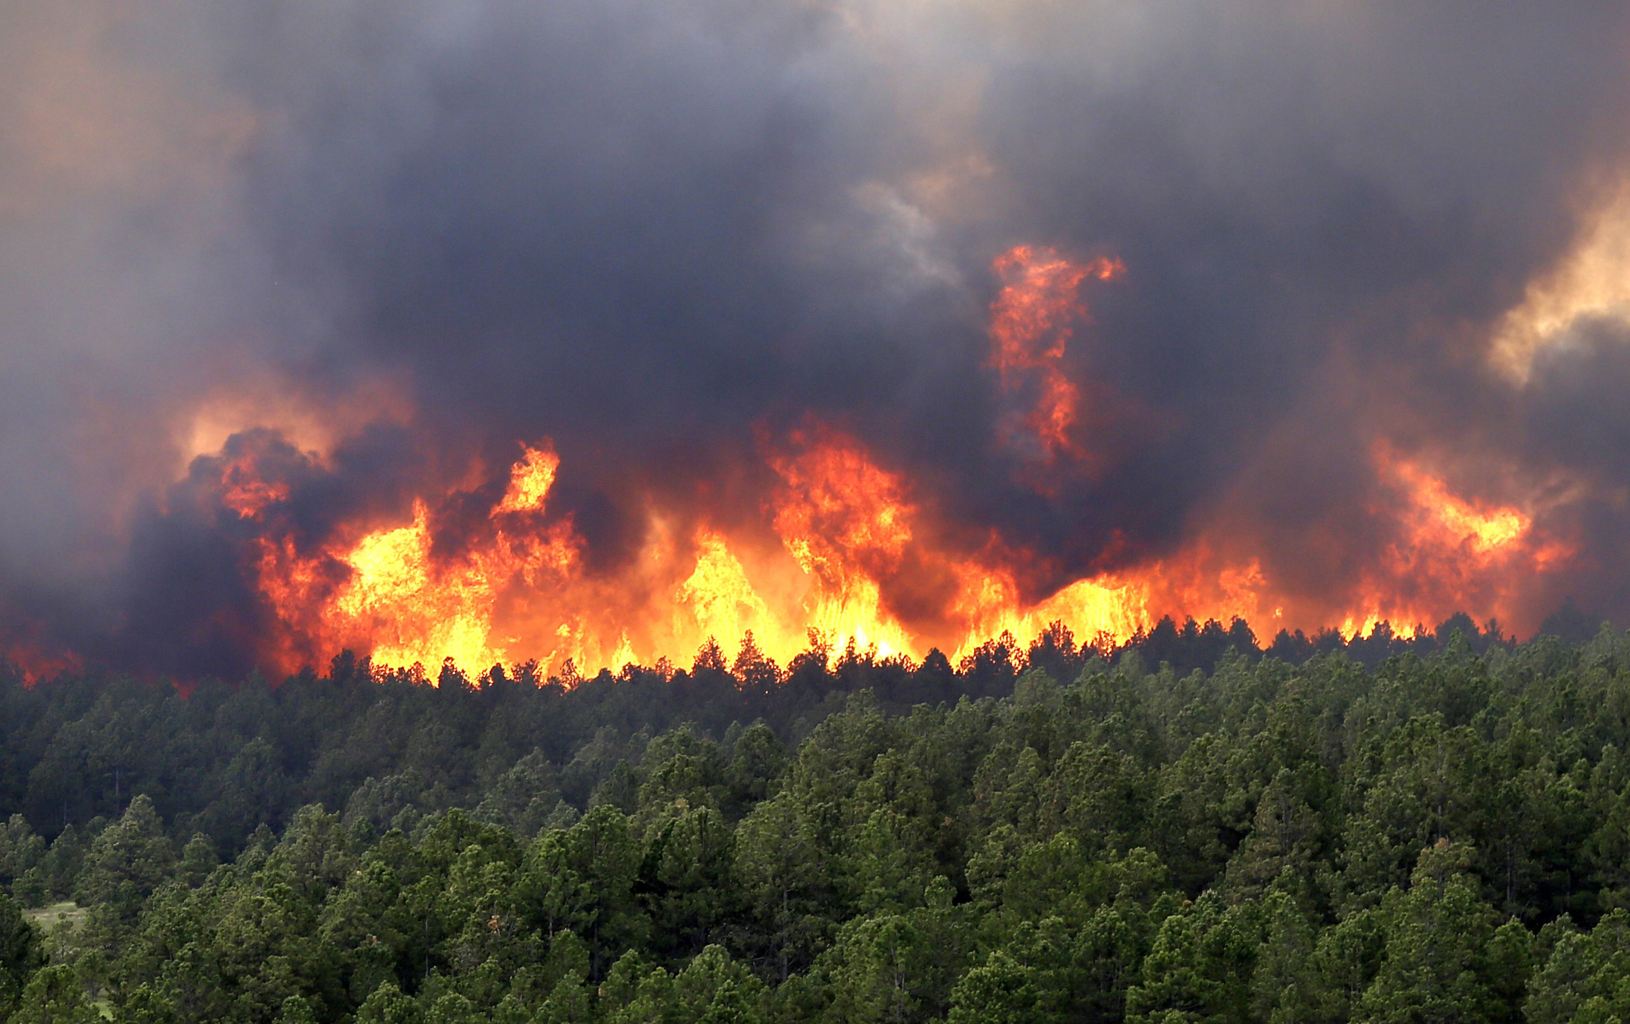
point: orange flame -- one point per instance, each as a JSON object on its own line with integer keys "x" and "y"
{"x": 846, "y": 536}
{"x": 847, "y": 523}
{"x": 398, "y": 600}
{"x": 1032, "y": 321}
{"x": 39, "y": 661}
{"x": 1485, "y": 530}
{"x": 846, "y": 527}
{"x": 529, "y": 481}
{"x": 850, "y": 531}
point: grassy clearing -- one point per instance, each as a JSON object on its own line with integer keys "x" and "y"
{"x": 59, "y": 922}
{"x": 58, "y": 917}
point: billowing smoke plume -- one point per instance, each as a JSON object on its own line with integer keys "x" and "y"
{"x": 1333, "y": 316}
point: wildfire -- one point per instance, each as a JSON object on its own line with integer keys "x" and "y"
{"x": 844, "y": 531}
{"x": 387, "y": 592}
{"x": 846, "y": 527}
{"x": 844, "y": 548}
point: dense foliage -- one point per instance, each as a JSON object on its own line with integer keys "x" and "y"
{"x": 1435, "y": 830}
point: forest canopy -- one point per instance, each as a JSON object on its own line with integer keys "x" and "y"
{"x": 1188, "y": 828}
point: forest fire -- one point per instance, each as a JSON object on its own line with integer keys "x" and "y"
{"x": 842, "y": 547}
{"x": 847, "y": 527}
{"x": 598, "y": 510}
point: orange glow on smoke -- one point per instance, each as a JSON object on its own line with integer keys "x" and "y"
{"x": 274, "y": 402}
{"x": 1448, "y": 552}
{"x": 1589, "y": 281}
{"x": 38, "y": 661}
{"x": 245, "y": 491}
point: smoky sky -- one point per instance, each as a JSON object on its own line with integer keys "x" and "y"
{"x": 657, "y": 234}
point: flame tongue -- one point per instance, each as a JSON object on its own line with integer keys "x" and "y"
{"x": 529, "y": 481}
{"x": 1033, "y": 319}
{"x": 1435, "y": 509}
